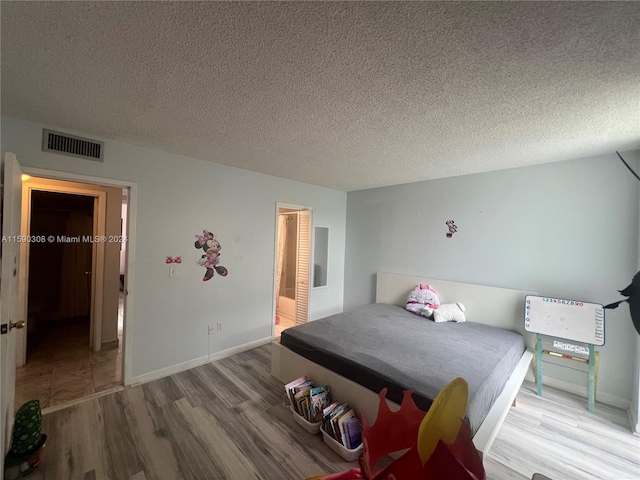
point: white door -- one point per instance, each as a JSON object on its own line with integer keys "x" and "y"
{"x": 10, "y": 252}
{"x": 303, "y": 270}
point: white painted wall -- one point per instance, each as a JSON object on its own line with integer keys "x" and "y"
{"x": 567, "y": 229}
{"x": 178, "y": 197}
{"x": 634, "y": 408}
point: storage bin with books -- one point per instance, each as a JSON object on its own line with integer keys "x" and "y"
{"x": 342, "y": 430}
{"x": 313, "y": 428}
{"x": 307, "y": 402}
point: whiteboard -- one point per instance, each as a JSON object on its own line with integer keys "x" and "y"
{"x": 568, "y": 319}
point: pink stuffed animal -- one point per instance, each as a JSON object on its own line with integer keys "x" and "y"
{"x": 422, "y": 298}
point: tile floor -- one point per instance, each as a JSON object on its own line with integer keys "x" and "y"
{"x": 283, "y": 324}
{"x": 61, "y": 367}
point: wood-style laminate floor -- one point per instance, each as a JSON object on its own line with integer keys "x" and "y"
{"x": 225, "y": 420}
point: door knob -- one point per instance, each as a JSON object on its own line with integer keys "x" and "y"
{"x": 17, "y": 325}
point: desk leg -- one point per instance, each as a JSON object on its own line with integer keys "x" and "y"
{"x": 538, "y": 365}
{"x": 592, "y": 378}
{"x": 595, "y": 375}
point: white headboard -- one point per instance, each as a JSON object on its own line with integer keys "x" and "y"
{"x": 499, "y": 307}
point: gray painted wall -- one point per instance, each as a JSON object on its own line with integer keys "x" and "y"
{"x": 567, "y": 229}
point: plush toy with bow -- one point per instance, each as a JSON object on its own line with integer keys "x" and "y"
{"x": 423, "y": 298}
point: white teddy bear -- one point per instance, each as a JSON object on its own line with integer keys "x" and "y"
{"x": 448, "y": 312}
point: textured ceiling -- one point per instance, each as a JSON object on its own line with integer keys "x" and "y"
{"x": 344, "y": 95}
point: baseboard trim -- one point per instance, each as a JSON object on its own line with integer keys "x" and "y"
{"x": 239, "y": 349}
{"x": 166, "y": 371}
{"x": 110, "y": 345}
{"x": 581, "y": 390}
{"x": 196, "y": 362}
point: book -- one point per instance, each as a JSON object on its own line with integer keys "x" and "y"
{"x": 326, "y": 416}
{"x": 295, "y": 390}
{"x": 353, "y": 433}
{"x": 304, "y": 407}
{"x": 320, "y": 399}
{"x": 301, "y": 404}
{"x": 341, "y": 433}
{"x": 333, "y": 421}
{"x": 308, "y": 385}
{"x": 303, "y": 386}
{"x": 289, "y": 387}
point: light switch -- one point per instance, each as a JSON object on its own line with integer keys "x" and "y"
{"x": 173, "y": 272}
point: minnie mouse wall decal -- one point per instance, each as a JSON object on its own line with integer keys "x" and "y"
{"x": 452, "y": 228}
{"x": 211, "y": 257}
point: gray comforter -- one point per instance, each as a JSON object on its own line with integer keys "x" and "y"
{"x": 385, "y": 346}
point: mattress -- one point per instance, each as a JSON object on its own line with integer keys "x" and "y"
{"x": 383, "y": 345}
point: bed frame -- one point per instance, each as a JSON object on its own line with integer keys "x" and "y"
{"x": 494, "y": 306}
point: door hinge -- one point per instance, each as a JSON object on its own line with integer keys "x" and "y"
{"x": 3, "y": 329}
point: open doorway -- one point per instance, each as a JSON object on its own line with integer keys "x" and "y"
{"x": 292, "y": 267}
{"x": 59, "y": 280}
{"x": 73, "y": 303}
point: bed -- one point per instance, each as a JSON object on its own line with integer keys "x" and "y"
{"x": 357, "y": 352}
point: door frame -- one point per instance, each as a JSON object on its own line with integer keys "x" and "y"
{"x": 97, "y": 259}
{"x": 10, "y": 199}
{"x": 292, "y": 206}
{"x": 129, "y": 291}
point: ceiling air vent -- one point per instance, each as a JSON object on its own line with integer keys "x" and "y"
{"x": 64, "y": 144}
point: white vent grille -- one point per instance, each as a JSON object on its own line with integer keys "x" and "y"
{"x": 64, "y": 144}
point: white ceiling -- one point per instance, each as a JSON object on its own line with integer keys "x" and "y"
{"x": 344, "y": 95}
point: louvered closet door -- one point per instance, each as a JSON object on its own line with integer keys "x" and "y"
{"x": 302, "y": 278}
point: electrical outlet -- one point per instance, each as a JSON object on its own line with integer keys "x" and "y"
{"x": 219, "y": 326}
{"x": 211, "y": 330}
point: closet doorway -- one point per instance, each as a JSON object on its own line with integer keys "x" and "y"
{"x": 293, "y": 259}
{"x": 70, "y": 298}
